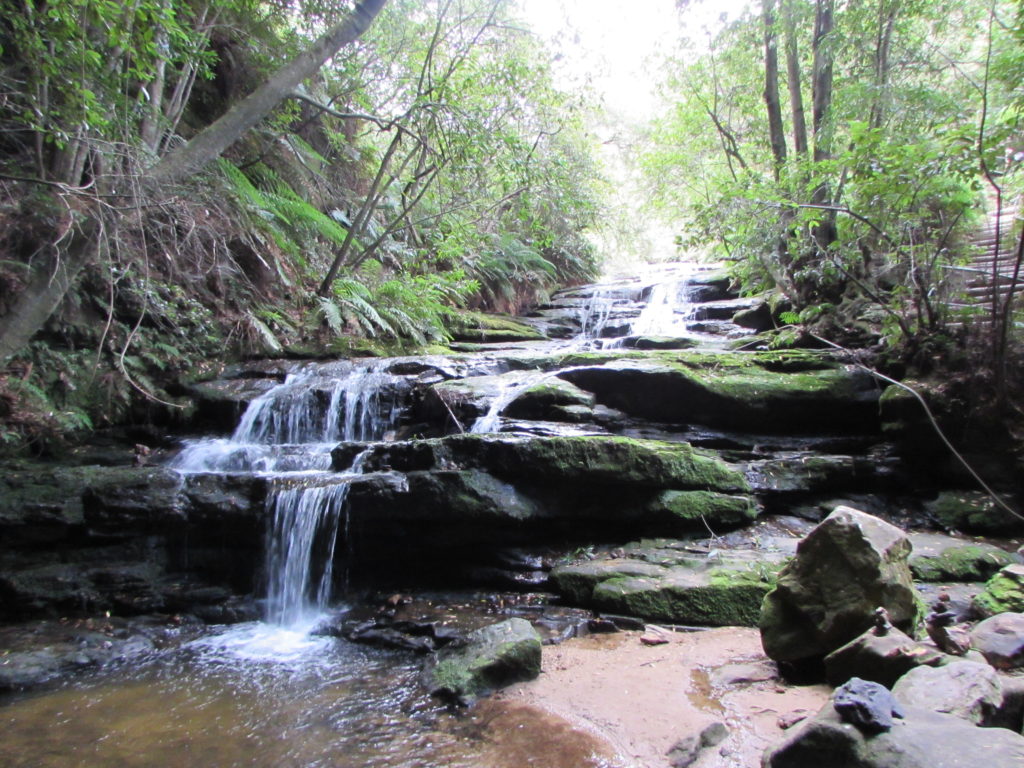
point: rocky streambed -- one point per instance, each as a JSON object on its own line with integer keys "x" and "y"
{"x": 628, "y": 456}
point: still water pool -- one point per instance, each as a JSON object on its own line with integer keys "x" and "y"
{"x": 256, "y": 695}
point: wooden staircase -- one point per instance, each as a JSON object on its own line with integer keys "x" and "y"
{"x": 990, "y": 271}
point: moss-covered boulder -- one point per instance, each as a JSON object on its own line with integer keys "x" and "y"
{"x": 845, "y": 568}
{"x": 972, "y": 512}
{"x": 671, "y": 581}
{"x": 958, "y": 562}
{"x": 493, "y": 657}
{"x": 1004, "y": 592}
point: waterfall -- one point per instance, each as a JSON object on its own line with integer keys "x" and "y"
{"x": 287, "y": 435}
{"x": 596, "y": 313}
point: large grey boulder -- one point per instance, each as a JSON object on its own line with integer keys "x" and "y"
{"x": 495, "y": 656}
{"x": 845, "y": 568}
{"x": 1000, "y": 639}
{"x": 966, "y": 689}
{"x": 922, "y": 739}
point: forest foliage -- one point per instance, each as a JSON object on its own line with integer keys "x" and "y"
{"x": 840, "y": 154}
{"x": 431, "y": 166}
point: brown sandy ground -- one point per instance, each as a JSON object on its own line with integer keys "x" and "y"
{"x": 609, "y": 701}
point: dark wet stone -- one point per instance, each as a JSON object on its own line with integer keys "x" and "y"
{"x": 869, "y": 706}
{"x": 924, "y": 739}
{"x": 686, "y": 751}
{"x": 881, "y": 659}
{"x": 493, "y": 657}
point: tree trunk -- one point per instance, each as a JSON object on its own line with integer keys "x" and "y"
{"x": 208, "y": 145}
{"x": 48, "y": 283}
{"x": 821, "y": 78}
{"x": 47, "y": 286}
{"x": 796, "y": 97}
{"x": 776, "y": 132}
{"x": 883, "y": 45}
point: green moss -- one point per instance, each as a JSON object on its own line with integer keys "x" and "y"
{"x": 494, "y": 656}
{"x": 965, "y": 563}
{"x": 972, "y": 511}
{"x": 727, "y": 603}
{"x": 705, "y": 507}
{"x": 1004, "y": 592}
{"x": 619, "y": 460}
{"x": 484, "y": 328}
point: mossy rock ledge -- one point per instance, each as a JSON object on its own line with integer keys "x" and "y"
{"x": 673, "y": 582}
{"x": 769, "y": 391}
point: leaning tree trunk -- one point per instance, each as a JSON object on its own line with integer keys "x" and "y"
{"x": 49, "y": 283}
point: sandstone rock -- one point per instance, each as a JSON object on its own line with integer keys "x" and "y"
{"x": 1003, "y": 593}
{"x": 973, "y": 512}
{"x": 922, "y": 739}
{"x": 1000, "y": 639}
{"x": 686, "y": 751}
{"x": 663, "y": 581}
{"x": 880, "y": 658}
{"x": 494, "y": 656}
{"x": 957, "y": 561}
{"x": 964, "y": 689}
{"x": 849, "y": 565}
{"x": 772, "y": 391}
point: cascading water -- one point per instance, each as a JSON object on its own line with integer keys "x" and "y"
{"x": 287, "y": 435}
{"x": 667, "y": 310}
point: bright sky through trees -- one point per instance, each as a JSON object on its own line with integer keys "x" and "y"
{"x": 615, "y": 47}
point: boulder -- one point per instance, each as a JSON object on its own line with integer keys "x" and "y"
{"x": 1004, "y": 592}
{"x": 869, "y": 707}
{"x": 546, "y": 399}
{"x": 881, "y": 658}
{"x": 922, "y": 739}
{"x": 845, "y": 568}
{"x": 1000, "y": 639}
{"x": 493, "y": 657}
{"x": 964, "y": 688}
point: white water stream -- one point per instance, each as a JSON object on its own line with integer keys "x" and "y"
{"x": 287, "y": 435}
